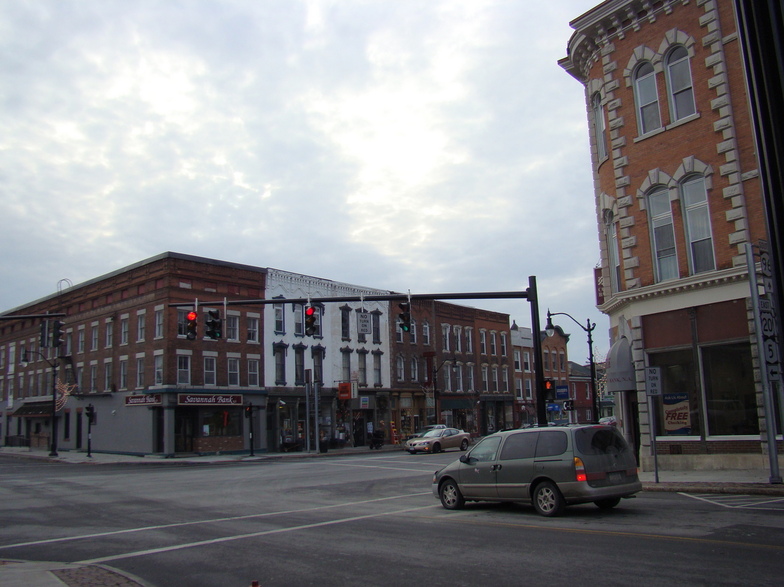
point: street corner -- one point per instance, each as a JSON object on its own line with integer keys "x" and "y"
{"x": 97, "y": 576}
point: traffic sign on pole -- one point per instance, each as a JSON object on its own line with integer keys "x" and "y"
{"x": 653, "y": 380}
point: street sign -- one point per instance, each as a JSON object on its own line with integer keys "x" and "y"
{"x": 568, "y": 405}
{"x": 363, "y": 323}
{"x": 653, "y": 380}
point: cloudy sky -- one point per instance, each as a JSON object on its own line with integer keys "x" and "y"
{"x": 423, "y": 145}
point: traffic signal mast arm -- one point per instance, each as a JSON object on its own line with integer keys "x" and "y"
{"x": 373, "y": 298}
{"x": 529, "y": 294}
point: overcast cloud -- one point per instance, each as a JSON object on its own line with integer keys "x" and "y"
{"x": 431, "y": 146}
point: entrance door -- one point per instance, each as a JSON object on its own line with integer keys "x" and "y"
{"x": 184, "y": 430}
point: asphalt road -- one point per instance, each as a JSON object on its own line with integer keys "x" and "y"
{"x": 368, "y": 520}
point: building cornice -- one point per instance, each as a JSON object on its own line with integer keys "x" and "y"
{"x": 596, "y": 28}
{"x": 670, "y": 290}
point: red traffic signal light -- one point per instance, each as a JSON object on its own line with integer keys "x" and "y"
{"x": 311, "y": 313}
{"x": 192, "y": 325}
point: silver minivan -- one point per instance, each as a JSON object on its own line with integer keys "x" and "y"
{"x": 547, "y": 467}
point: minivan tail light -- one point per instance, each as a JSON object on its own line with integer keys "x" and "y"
{"x": 579, "y": 470}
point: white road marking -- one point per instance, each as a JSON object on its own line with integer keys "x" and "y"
{"x": 208, "y": 521}
{"x": 244, "y": 536}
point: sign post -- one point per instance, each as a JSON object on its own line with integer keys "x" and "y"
{"x": 767, "y": 343}
{"x": 653, "y": 390}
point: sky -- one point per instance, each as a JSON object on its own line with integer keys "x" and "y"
{"x": 413, "y": 145}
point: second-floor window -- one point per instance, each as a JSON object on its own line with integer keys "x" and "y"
{"x": 698, "y": 225}
{"x": 663, "y": 234}
{"x": 234, "y": 371}
{"x": 210, "y": 370}
{"x": 183, "y": 370}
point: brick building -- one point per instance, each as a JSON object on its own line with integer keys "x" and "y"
{"x": 156, "y": 390}
{"x": 453, "y": 368}
{"x": 677, "y": 193}
{"x": 128, "y": 355}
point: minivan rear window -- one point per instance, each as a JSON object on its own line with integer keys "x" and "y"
{"x": 599, "y": 441}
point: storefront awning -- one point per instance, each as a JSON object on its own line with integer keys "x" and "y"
{"x": 620, "y": 367}
{"x": 36, "y": 410}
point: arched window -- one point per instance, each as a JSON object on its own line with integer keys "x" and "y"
{"x": 599, "y": 127}
{"x": 698, "y": 224}
{"x": 662, "y": 234}
{"x": 680, "y": 85}
{"x": 647, "y": 99}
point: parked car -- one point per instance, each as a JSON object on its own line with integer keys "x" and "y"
{"x": 547, "y": 467}
{"x": 439, "y": 439}
{"x": 422, "y": 432}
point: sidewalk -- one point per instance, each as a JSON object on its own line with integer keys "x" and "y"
{"x": 52, "y": 574}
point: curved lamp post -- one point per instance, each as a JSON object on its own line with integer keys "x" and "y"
{"x": 588, "y": 328}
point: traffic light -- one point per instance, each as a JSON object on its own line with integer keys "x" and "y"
{"x": 214, "y": 325}
{"x": 248, "y": 410}
{"x": 549, "y": 389}
{"x": 90, "y": 412}
{"x": 405, "y": 317}
{"x": 57, "y": 333}
{"x": 192, "y": 325}
{"x": 310, "y": 320}
{"x": 44, "y": 342}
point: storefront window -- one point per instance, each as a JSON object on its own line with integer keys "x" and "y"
{"x": 729, "y": 385}
{"x": 220, "y": 422}
{"x": 678, "y": 406}
{"x": 728, "y": 402}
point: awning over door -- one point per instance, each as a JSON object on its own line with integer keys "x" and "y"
{"x": 620, "y": 367}
{"x": 34, "y": 410}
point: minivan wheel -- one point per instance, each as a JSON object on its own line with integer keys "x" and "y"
{"x": 450, "y": 495}
{"x": 548, "y": 500}
{"x": 607, "y": 504}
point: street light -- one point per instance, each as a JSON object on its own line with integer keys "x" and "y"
{"x": 53, "y": 365}
{"x": 588, "y": 328}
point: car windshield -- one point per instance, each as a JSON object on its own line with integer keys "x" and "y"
{"x": 433, "y": 433}
{"x": 599, "y": 440}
